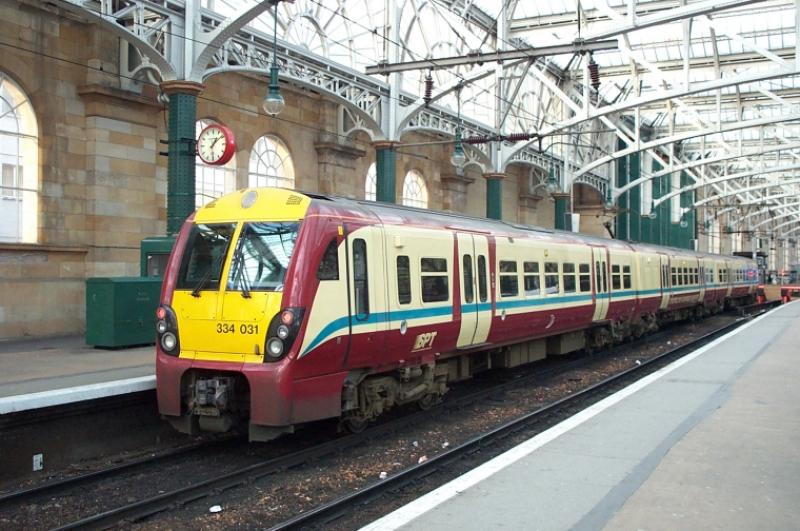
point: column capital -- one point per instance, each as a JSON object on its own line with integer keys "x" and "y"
{"x": 182, "y": 86}
{"x": 385, "y": 144}
{"x": 494, "y": 176}
{"x": 561, "y": 195}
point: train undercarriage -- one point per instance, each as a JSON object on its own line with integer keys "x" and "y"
{"x": 220, "y": 402}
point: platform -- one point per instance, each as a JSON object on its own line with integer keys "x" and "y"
{"x": 37, "y": 373}
{"x": 709, "y": 442}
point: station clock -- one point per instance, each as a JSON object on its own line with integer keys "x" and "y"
{"x": 216, "y": 145}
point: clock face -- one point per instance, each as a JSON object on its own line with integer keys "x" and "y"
{"x": 215, "y": 145}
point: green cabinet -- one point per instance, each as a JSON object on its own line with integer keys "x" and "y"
{"x": 120, "y": 311}
{"x": 154, "y": 254}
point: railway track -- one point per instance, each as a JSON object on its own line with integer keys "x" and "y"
{"x": 327, "y": 515}
{"x": 149, "y": 506}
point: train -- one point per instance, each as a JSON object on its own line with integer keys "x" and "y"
{"x": 279, "y": 307}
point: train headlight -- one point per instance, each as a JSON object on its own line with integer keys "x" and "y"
{"x": 275, "y": 347}
{"x": 169, "y": 341}
{"x": 287, "y": 317}
{"x": 283, "y": 331}
{"x": 161, "y": 326}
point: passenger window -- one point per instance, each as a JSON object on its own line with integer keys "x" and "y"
{"x": 531, "y": 278}
{"x": 616, "y": 282}
{"x": 569, "y": 278}
{"x": 403, "y": 280}
{"x": 482, "y": 291}
{"x": 329, "y": 265}
{"x": 585, "y": 278}
{"x": 509, "y": 283}
{"x": 469, "y": 289}
{"x": 551, "y": 277}
{"x": 360, "y": 280}
{"x": 626, "y": 277}
{"x": 435, "y": 285}
{"x": 674, "y": 277}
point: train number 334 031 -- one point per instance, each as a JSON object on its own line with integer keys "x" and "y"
{"x": 231, "y": 328}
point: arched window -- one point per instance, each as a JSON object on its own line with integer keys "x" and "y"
{"x": 211, "y": 182}
{"x": 415, "y": 193}
{"x": 371, "y": 184}
{"x": 271, "y": 164}
{"x": 19, "y": 163}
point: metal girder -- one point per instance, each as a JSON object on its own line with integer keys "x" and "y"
{"x": 717, "y": 180}
{"x": 214, "y": 40}
{"x": 686, "y": 135}
{"x": 714, "y": 160}
{"x": 795, "y": 213}
{"x": 632, "y": 103}
{"x": 763, "y": 210}
{"x": 407, "y": 113}
{"x": 747, "y": 189}
{"x": 578, "y": 46}
{"x": 666, "y": 16}
{"x": 108, "y": 18}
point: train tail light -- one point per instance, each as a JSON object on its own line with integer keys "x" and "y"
{"x": 167, "y": 330}
{"x": 282, "y": 332}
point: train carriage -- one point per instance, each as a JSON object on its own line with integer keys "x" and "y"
{"x": 280, "y": 307}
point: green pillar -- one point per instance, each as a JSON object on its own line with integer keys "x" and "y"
{"x": 494, "y": 195}
{"x": 386, "y": 171}
{"x": 181, "y": 150}
{"x": 562, "y": 208}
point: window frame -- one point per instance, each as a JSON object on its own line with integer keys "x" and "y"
{"x": 505, "y": 276}
{"x": 436, "y": 273}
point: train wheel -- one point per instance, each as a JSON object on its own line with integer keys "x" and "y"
{"x": 354, "y": 424}
{"x": 427, "y": 401}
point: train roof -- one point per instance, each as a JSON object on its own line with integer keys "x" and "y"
{"x": 394, "y": 214}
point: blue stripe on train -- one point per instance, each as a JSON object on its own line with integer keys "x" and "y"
{"x": 421, "y": 313}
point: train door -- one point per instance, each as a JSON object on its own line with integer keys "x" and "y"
{"x": 476, "y": 309}
{"x": 366, "y": 291}
{"x": 601, "y": 295}
{"x": 665, "y": 280}
{"x": 701, "y": 277}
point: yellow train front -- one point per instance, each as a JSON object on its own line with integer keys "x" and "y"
{"x": 230, "y": 314}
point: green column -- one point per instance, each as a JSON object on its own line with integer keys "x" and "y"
{"x": 561, "y": 210}
{"x": 386, "y": 171}
{"x": 181, "y": 164}
{"x": 494, "y": 195}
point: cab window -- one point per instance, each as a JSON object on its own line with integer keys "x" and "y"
{"x": 329, "y": 265}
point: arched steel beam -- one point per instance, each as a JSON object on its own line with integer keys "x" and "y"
{"x": 761, "y": 211}
{"x": 709, "y": 182}
{"x": 642, "y": 146}
{"x": 744, "y": 190}
{"x": 661, "y": 95}
{"x": 110, "y": 23}
{"x": 780, "y": 216}
{"x": 723, "y": 158}
{"x": 784, "y": 224}
{"x": 788, "y": 232}
{"x": 215, "y": 39}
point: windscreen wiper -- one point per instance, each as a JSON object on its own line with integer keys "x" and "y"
{"x": 206, "y": 277}
{"x": 201, "y": 283}
{"x": 240, "y": 276}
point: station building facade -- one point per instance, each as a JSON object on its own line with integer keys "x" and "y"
{"x": 83, "y": 180}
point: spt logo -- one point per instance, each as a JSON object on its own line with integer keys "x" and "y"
{"x": 424, "y": 341}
